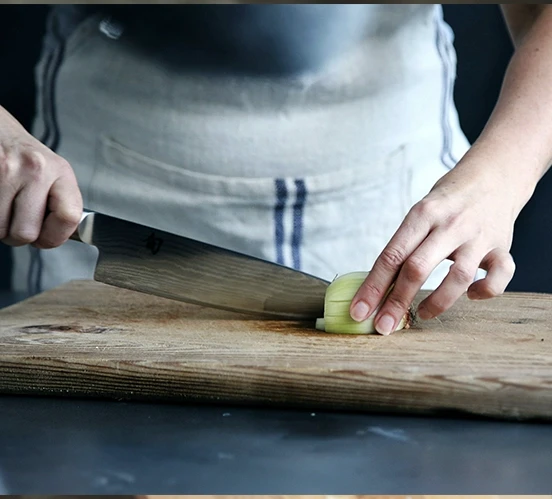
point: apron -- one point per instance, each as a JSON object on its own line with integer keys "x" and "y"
{"x": 313, "y": 170}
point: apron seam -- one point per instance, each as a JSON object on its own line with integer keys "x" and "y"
{"x": 50, "y": 138}
{"x": 447, "y": 158}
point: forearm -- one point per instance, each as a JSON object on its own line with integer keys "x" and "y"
{"x": 520, "y": 19}
{"x": 518, "y": 135}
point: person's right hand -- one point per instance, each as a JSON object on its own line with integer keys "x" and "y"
{"x": 40, "y": 201}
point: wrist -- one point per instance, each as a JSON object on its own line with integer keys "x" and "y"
{"x": 521, "y": 158}
{"x": 515, "y": 171}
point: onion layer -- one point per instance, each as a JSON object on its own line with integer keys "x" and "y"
{"x": 337, "y": 318}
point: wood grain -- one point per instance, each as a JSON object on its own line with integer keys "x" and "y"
{"x": 491, "y": 358}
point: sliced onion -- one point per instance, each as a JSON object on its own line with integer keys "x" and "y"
{"x": 337, "y": 318}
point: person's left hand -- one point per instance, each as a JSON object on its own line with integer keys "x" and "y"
{"x": 468, "y": 217}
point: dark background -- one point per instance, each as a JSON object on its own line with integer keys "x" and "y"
{"x": 483, "y": 48}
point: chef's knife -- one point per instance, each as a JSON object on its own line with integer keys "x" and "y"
{"x": 151, "y": 261}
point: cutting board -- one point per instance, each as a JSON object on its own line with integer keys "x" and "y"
{"x": 490, "y": 358}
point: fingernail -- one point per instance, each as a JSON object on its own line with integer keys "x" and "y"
{"x": 360, "y": 311}
{"x": 424, "y": 314}
{"x": 473, "y": 295}
{"x": 385, "y": 325}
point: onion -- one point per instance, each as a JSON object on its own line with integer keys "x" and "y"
{"x": 337, "y": 302}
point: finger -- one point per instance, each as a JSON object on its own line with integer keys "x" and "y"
{"x": 415, "y": 271}
{"x": 65, "y": 211}
{"x": 500, "y": 268}
{"x": 412, "y": 232}
{"x": 7, "y": 195}
{"x": 460, "y": 276}
{"x": 28, "y": 213}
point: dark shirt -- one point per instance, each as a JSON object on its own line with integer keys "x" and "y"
{"x": 281, "y": 39}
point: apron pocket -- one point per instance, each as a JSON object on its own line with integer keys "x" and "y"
{"x": 233, "y": 212}
{"x": 323, "y": 224}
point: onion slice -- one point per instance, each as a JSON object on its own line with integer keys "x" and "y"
{"x": 337, "y": 302}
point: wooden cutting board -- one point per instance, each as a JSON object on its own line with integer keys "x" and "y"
{"x": 491, "y": 358}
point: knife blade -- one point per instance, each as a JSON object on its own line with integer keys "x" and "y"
{"x": 156, "y": 262}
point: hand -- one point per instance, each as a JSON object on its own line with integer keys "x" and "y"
{"x": 468, "y": 217}
{"x": 40, "y": 202}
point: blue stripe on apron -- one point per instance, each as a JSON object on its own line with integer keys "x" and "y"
{"x": 297, "y": 235}
{"x": 281, "y": 200}
{"x": 282, "y": 197}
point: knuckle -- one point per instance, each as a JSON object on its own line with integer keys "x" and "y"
{"x": 397, "y": 301}
{"x": 69, "y": 218}
{"x": 23, "y": 236}
{"x": 392, "y": 258}
{"x": 8, "y": 164}
{"x": 63, "y": 163}
{"x": 35, "y": 163}
{"x": 436, "y": 306}
{"x": 461, "y": 273}
{"x": 415, "y": 269}
{"x": 426, "y": 208}
{"x": 369, "y": 290}
{"x": 508, "y": 265}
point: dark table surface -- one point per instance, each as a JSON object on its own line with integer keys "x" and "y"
{"x": 70, "y": 446}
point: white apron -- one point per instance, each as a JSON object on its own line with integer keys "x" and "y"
{"x": 314, "y": 171}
